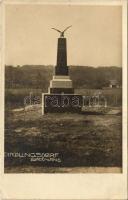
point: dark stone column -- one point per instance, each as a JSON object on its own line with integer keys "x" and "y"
{"x": 61, "y": 67}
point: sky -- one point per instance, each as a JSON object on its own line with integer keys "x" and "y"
{"x": 94, "y": 39}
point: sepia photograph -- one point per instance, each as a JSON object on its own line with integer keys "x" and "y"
{"x": 63, "y": 88}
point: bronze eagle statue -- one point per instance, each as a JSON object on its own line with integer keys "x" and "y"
{"x": 61, "y": 32}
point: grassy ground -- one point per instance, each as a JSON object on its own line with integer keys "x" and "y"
{"x": 15, "y": 97}
{"x": 80, "y": 140}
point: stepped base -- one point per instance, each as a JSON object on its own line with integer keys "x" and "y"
{"x": 60, "y": 103}
{"x": 61, "y": 82}
{"x": 61, "y": 85}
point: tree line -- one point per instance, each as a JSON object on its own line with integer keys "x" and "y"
{"x": 38, "y": 76}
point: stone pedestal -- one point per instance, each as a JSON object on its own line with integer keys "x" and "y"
{"x": 61, "y": 103}
{"x": 61, "y": 85}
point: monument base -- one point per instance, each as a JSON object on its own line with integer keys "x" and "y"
{"x": 61, "y": 85}
{"x": 54, "y": 103}
{"x": 61, "y": 82}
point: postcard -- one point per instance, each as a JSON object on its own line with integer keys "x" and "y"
{"x": 64, "y": 99}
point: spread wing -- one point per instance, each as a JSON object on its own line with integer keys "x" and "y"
{"x": 66, "y": 28}
{"x": 57, "y": 30}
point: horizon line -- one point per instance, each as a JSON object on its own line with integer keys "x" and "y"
{"x": 72, "y": 65}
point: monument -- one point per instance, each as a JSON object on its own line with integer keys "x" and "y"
{"x": 61, "y": 82}
{"x": 60, "y": 96}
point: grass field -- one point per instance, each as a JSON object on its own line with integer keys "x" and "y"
{"x": 82, "y": 141}
{"x": 15, "y": 97}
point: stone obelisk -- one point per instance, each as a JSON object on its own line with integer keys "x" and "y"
{"x": 61, "y": 66}
{"x": 61, "y": 82}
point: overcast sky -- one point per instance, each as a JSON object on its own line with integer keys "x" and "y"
{"x": 94, "y": 38}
